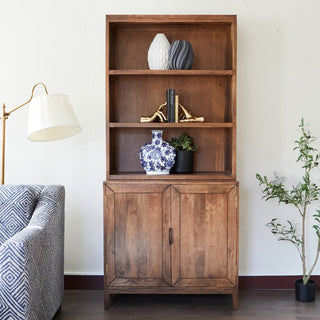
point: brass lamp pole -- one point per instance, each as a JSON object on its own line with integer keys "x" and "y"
{"x": 55, "y": 120}
{"x": 5, "y": 115}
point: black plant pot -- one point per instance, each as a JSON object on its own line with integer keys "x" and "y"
{"x": 305, "y": 292}
{"x": 184, "y": 162}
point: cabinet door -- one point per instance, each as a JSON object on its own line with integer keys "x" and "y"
{"x": 137, "y": 221}
{"x": 205, "y": 236}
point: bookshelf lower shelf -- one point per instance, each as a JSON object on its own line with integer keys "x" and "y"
{"x": 227, "y": 175}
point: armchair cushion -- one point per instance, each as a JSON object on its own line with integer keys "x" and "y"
{"x": 17, "y": 204}
{"x": 31, "y": 261}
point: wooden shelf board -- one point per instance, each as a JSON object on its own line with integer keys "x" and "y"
{"x": 165, "y": 125}
{"x": 171, "y": 72}
{"x": 176, "y": 19}
{"x": 192, "y": 176}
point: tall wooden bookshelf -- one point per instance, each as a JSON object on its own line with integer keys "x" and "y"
{"x": 199, "y": 211}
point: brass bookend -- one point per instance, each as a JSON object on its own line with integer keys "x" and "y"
{"x": 157, "y": 114}
{"x": 184, "y": 116}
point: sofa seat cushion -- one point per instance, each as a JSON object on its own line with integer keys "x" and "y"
{"x": 17, "y": 204}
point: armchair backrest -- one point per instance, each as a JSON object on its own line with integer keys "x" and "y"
{"x": 17, "y": 203}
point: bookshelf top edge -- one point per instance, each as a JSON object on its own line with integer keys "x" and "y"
{"x": 186, "y": 19}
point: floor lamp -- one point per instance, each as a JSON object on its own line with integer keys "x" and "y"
{"x": 50, "y": 118}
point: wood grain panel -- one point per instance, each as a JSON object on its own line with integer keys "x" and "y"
{"x": 137, "y": 223}
{"x": 203, "y": 229}
{"x": 132, "y": 282}
{"x": 134, "y": 96}
{"x": 137, "y": 188}
{"x": 195, "y": 177}
{"x": 204, "y": 188}
{"x": 165, "y": 125}
{"x": 133, "y": 19}
{"x": 138, "y": 235}
{"x": 213, "y": 283}
{"x": 233, "y": 95}
{"x": 139, "y": 72}
{"x": 126, "y": 144}
{"x": 233, "y": 235}
{"x": 173, "y": 290}
{"x": 206, "y": 218}
{"x": 107, "y": 95}
{"x": 210, "y": 42}
{"x": 166, "y": 247}
{"x": 213, "y": 155}
{"x": 109, "y": 243}
{"x": 175, "y": 248}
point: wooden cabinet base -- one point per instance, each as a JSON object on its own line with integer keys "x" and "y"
{"x": 110, "y": 293}
{"x": 171, "y": 238}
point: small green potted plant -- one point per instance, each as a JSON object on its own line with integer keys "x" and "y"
{"x": 185, "y": 148}
{"x": 300, "y": 196}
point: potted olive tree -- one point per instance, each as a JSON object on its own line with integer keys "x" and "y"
{"x": 185, "y": 149}
{"x": 300, "y": 196}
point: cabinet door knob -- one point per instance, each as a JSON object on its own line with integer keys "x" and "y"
{"x": 170, "y": 236}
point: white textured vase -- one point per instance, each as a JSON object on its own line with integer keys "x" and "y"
{"x": 158, "y": 53}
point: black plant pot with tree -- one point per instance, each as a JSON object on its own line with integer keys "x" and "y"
{"x": 185, "y": 149}
{"x": 300, "y": 196}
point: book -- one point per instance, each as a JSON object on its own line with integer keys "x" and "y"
{"x": 176, "y": 109}
{"x": 171, "y": 105}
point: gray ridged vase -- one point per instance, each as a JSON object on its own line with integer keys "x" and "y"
{"x": 181, "y": 55}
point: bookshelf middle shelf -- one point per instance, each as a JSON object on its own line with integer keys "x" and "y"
{"x": 164, "y": 125}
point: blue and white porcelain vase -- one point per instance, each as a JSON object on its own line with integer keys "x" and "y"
{"x": 157, "y": 156}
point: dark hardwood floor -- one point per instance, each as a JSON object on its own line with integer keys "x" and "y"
{"x": 261, "y": 305}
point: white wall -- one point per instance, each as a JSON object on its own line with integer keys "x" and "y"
{"x": 61, "y": 42}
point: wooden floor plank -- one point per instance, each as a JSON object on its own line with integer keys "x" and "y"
{"x": 261, "y": 305}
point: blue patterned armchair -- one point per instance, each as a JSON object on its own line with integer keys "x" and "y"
{"x": 31, "y": 251}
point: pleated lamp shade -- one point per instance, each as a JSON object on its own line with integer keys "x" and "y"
{"x": 51, "y": 118}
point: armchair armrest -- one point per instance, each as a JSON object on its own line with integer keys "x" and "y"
{"x": 31, "y": 262}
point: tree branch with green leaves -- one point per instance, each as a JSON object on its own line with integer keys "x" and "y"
{"x": 300, "y": 196}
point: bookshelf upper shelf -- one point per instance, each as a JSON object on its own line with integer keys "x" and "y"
{"x": 172, "y": 72}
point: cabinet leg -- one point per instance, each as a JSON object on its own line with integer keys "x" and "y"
{"x": 107, "y": 301}
{"x": 235, "y": 300}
